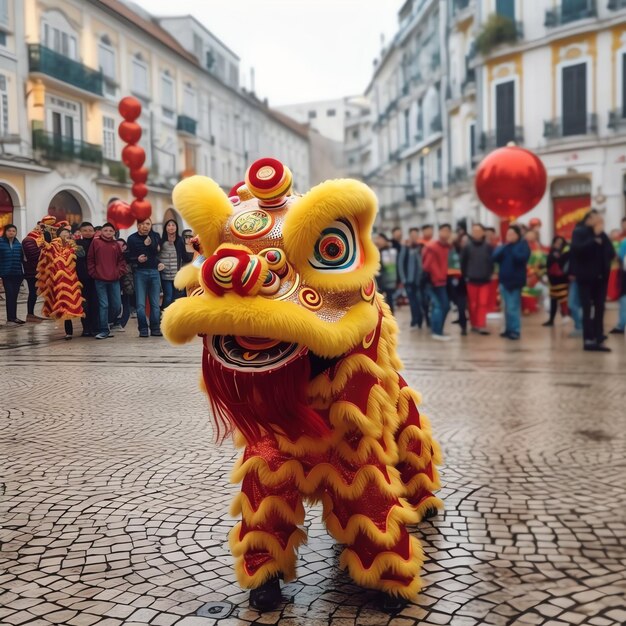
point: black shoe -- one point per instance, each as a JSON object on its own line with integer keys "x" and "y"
{"x": 143, "y": 333}
{"x": 455, "y": 322}
{"x": 463, "y": 332}
{"x": 391, "y": 604}
{"x": 513, "y": 336}
{"x": 267, "y": 597}
{"x": 616, "y": 331}
{"x": 504, "y": 334}
{"x": 156, "y": 333}
{"x": 595, "y": 347}
{"x": 85, "y": 334}
{"x": 548, "y": 323}
{"x": 18, "y": 321}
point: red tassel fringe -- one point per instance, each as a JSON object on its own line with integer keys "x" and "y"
{"x": 254, "y": 403}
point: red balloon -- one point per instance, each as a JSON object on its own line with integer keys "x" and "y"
{"x": 142, "y": 209}
{"x": 139, "y": 175}
{"x": 130, "y": 132}
{"x": 511, "y": 181}
{"x": 133, "y": 157}
{"x": 140, "y": 191}
{"x": 120, "y": 214}
{"x": 129, "y": 108}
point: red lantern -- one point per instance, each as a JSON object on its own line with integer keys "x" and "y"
{"x": 133, "y": 157}
{"x": 139, "y": 175}
{"x": 120, "y": 215}
{"x": 140, "y": 191}
{"x": 130, "y": 132}
{"x": 511, "y": 181}
{"x": 142, "y": 209}
{"x": 129, "y": 108}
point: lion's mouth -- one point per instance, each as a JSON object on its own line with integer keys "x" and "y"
{"x": 252, "y": 354}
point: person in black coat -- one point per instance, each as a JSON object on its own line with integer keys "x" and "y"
{"x": 590, "y": 262}
{"x": 90, "y": 322}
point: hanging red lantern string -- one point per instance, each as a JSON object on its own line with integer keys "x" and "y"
{"x": 134, "y": 156}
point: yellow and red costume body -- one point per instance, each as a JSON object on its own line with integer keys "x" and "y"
{"x": 57, "y": 280}
{"x": 300, "y": 360}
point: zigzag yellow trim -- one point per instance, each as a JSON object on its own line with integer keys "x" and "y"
{"x": 420, "y": 481}
{"x": 321, "y": 473}
{"x": 380, "y": 413}
{"x": 271, "y": 504}
{"x": 386, "y": 562}
{"x": 309, "y": 445}
{"x": 398, "y": 516}
{"x": 264, "y": 573}
{"x": 321, "y": 386}
{"x": 262, "y": 540}
{"x": 386, "y": 453}
{"x": 407, "y": 395}
{"x": 413, "y": 433}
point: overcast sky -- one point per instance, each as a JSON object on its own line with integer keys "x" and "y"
{"x": 302, "y": 50}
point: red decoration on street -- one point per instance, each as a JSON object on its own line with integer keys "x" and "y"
{"x": 142, "y": 209}
{"x": 120, "y": 215}
{"x": 140, "y": 191}
{"x": 133, "y": 157}
{"x": 129, "y": 108}
{"x": 140, "y": 175}
{"x": 511, "y": 181}
{"x": 130, "y": 132}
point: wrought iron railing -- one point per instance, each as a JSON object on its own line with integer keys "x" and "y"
{"x": 186, "y": 124}
{"x": 55, "y": 147}
{"x": 500, "y": 137}
{"x": 558, "y": 127}
{"x": 617, "y": 117}
{"x": 47, "y": 61}
{"x": 567, "y": 13}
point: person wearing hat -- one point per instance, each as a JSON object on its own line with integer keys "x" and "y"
{"x": 512, "y": 258}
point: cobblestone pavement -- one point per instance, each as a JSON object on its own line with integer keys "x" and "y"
{"x": 114, "y": 500}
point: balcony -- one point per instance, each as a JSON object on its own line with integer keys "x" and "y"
{"x": 616, "y": 5}
{"x": 498, "y": 30}
{"x": 45, "y": 61}
{"x": 571, "y": 12}
{"x": 559, "y": 128}
{"x": 59, "y": 148}
{"x": 617, "y": 119}
{"x": 501, "y": 137}
{"x": 186, "y": 124}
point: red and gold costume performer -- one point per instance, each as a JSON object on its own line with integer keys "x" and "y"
{"x": 300, "y": 360}
{"x": 57, "y": 280}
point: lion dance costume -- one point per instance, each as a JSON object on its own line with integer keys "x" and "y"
{"x": 300, "y": 360}
{"x": 57, "y": 280}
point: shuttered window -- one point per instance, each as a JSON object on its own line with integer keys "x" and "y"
{"x": 506, "y": 8}
{"x": 505, "y": 113}
{"x": 574, "y": 103}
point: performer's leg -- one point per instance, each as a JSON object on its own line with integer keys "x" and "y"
{"x": 264, "y": 543}
{"x": 418, "y": 455}
{"x": 379, "y": 553}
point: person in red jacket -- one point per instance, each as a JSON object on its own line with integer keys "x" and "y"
{"x": 105, "y": 264}
{"x": 435, "y": 263}
{"x": 31, "y": 248}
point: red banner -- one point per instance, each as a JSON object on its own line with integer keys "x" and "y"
{"x": 568, "y": 212}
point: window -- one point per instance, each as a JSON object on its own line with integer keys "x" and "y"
{"x": 4, "y": 106}
{"x": 331, "y": 113}
{"x": 4, "y": 12}
{"x": 407, "y": 136}
{"x": 422, "y": 174}
{"x": 210, "y": 60}
{"x": 58, "y": 34}
{"x": 472, "y": 142}
{"x": 420, "y": 120}
{"x": 139, "y": 77}
{"x": 3, "y": 39}
{"x": 408, "y": 172}
{"x": 439, "y": 165}
{"x": 108, "y": 138}
{"x": 168, "y": 98}
{"x": 312, "y": 115}
{"x": 574, "y": 102}
{"x": 189, "y": 102}
{"x": 63, "y": 117}
{"x": 355, "y": 134}
{"x": 506, "y": 8}
{"x": 505, "y": 113}
{"x": 106, "y": 63}
{"x": 624, "y": 85}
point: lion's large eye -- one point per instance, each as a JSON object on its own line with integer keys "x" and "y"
{"x": 337, "y": 249}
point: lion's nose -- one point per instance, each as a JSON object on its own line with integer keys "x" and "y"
{"x": 234, "y": 269}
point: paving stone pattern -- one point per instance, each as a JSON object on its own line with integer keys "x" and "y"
{"x": 114, "y": 499}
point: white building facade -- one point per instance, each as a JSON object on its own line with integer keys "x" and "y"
{"x": 65, "y": 66}
{"x": 546, "y": 75}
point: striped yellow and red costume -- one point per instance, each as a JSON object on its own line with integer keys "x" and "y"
{"x": 300, "y": 360}
{"x": 57, "y": 280}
